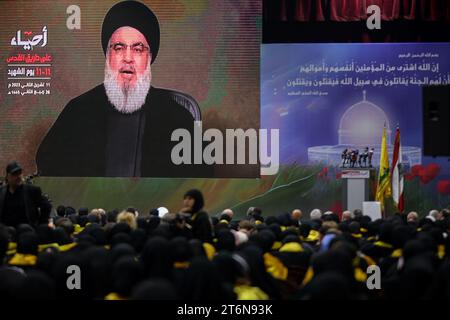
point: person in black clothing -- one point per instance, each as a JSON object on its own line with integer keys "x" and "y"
{"x": 127, "y": 122}
{"x": 198, "y": 219}
{"x": 21, "y": 203}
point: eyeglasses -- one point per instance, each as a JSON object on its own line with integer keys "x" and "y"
{"x": 137, "y": 49}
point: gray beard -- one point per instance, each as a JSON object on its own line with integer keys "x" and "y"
{"x": 129, "y": 98}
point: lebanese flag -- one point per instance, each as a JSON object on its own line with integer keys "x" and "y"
{"x": 396, "y": 174}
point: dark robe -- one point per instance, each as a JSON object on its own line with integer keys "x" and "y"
{"x": 91, "y": 138}
{"x": 35, "y": 205}
{"x": 201, "y": 226}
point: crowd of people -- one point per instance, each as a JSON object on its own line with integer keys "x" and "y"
{"x": 63, "y": 253}
{"x": 191, "y": 255}
{"x": 351, "y": 156}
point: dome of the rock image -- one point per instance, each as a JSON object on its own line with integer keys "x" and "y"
{"x": 360, "y": 125}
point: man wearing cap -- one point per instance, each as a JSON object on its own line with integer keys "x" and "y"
{"x": 122, "y": 127}
{"x": 21, "y": 203}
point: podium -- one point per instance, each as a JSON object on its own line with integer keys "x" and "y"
{"x": 357, "y": 187}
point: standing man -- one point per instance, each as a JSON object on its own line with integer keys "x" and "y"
{"x": 371, "y": 152}
{"x": 365, "y": 156}
{"x": 296, "y": 216}
{"x": 344, "y": 157}
{"x": 21, "y": 203}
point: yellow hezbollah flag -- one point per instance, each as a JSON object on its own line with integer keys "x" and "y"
{"x": 384, "y": 176}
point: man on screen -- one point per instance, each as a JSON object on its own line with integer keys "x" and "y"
{"x": 123, "y": 127}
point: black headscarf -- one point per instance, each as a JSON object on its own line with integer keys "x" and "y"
{"x": 98, "y": 264}
{"x": 264, "y": 239}
{"x": 126, "y": 273}
{"x": 202, "y": 282}
{"x": 99, "y": 235}
{"x": 155, "y": 289}
{"x": 327, "y": 286}
{"x": 118, "y": 228}
{"x": 337, "y": 260}
{"x": 258, "y": 274}
{"x": 28, "y": 243}
{"x": 61, "y": 237}
{"x": 37, "y": 285}
{"x": 120, "y": 238}
{"x": 227, "y": 267}
{"x": 156, "y": 258}
{"x": 225, "y": 241}
{"x": 138, "y": 239}
{"x": 120, "y": 250}
{"x": 198, "y": 199}
{"x": 197, "y": 248}
{"x": 10, "y": 281}
{"x": 180, "y": 250}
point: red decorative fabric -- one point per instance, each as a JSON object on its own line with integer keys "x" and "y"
{"x": 355, "y": 10}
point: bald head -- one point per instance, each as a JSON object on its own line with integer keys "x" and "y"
{"x": 296, "y": 214}
{"x": 228, "y": 212}
{"x": 347, "y": 215}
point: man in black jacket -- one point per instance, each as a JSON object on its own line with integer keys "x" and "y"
{"x": 21, "y": 203}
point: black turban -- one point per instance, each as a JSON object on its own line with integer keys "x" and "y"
{"x": 136, "y": 15}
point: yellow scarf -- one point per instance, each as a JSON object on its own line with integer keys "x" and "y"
{"x": 360, "y": 275}
{"x": 308, "y": 276}
{"x": 210, "y": 250}
{"x": 383, "y": 244}
{"x": 313, "y": 236}
{"x": 42, "y": 247}
{"x": 181, "y": 265}
{"x": 397, "y": 253}
{"x": 77, "y": 228}
{"x": 368, "y": 260}
{"x": 23, "y": 260}
{"x": 245, "y": 292}
{"x": 114, "y": 296}
{"x": 12, "y": 247}
{"x": 67, "y": 247}
{"x": 291, "y": 247}
{"x": 441, "y": 251}
{"x": 275, "y": 267}
{"x": 276, "y": 245}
